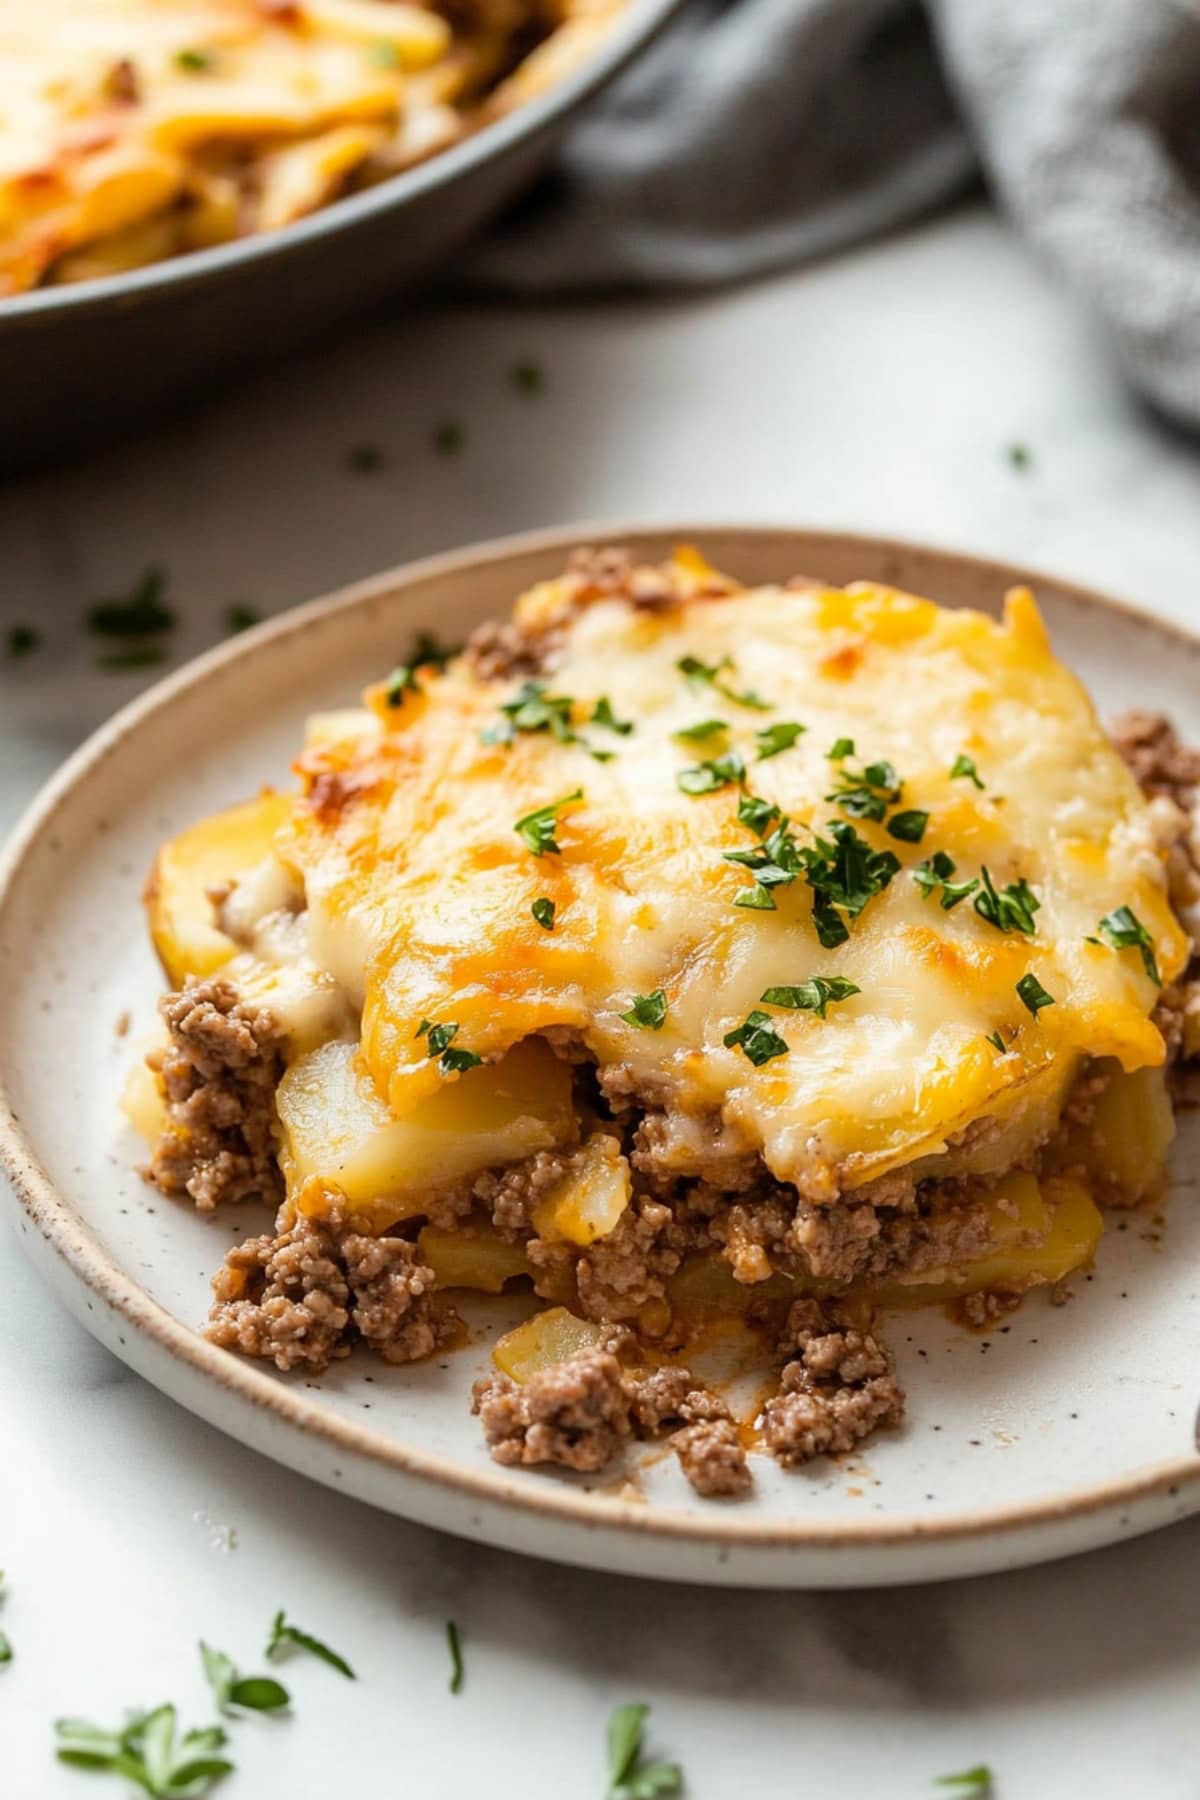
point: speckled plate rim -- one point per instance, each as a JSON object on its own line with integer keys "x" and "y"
{"x": 543, "y": 1519}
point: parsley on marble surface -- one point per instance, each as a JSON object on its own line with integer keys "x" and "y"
{"x": 284, "y": 1633}
{"x": 629, "y": 1776}
{"x": 257, "y": 1693}
{"x": 149, "y": 1752}
{"x": 457, "y": 1668}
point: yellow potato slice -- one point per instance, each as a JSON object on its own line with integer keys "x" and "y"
{"x": 336, "y": 1128}
{"x": 479, "y": 1260}
{"x": 1123, "y": 1149}
{"x": 541, "y": 1342}
{"x": 588, "y": 1202}
{"x": 143, "y": 1104}
{"x": 216, "y": 849}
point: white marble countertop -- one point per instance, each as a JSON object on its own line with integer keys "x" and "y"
{"x": 880, "y": 391}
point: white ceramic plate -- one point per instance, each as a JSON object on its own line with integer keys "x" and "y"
{"x": 1068, "y": 1427}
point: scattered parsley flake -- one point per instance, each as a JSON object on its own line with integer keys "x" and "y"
{"x": 773, "y": 739}
{"x": 195, "y": 62}
{"x": 979, "y": 1781}
{"x": 756, "y": 899}
{"x": 756, "y": 814}
{"x": 1020, "y": 456}
{"x": 137, "y": 656}
{"x": 533, "y": 709}
{"x": 139, "y": 614}
{"x": 537, "y": 829}
{"x": 240, "y": 617}
{"x": 866, "y": 793}
{"x": 775, "y": 862}
{"x": 844, "y": 874}
{"x": 811, "y": 996}
{"x": 365, "y": 459}
{"x": 147, "y": 1752}
{"x": 528, "y": 378}
{"x": 284, "y": 1634}
{"x": 1125, "y": 931}
{"x": 6, "y": 1649}
{"x": 757, "y": 1038}
{"x": 963, "y": 768}
{"x": 630, "y": 1778}
{"x": 449, "y": 438}
{"x": 383, "y": 54}
{"x": 427, "y": 649}
{"x": 704, "y": 728}
{"x": 1033, "y": 994}
{"x": 543, "y": 911}
{"x": 997, "y": 1042}
{"x": 1010, "y": 908}
{"x": 935, "y": 872}
{"x": 700, "y": 674}
{"x": 908, "y": 827}
{"x": 258, "y": 1693}
{"x": 840, "y": 749}
{"x": 603, "y": 714}
{"x": 438, "y": 1039}
{"x": 401, "y": 681}
{"x": 21, "y": 640}
{"x": 647, "y": 1010}
{"x": 707, "y": 777}
{"x": 457, "y": 1670}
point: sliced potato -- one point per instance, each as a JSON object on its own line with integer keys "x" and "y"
{"x": 543, "y": 1341}
{"x": 480, "y": 1260}
{"x": 1125, "y": 1145}
{"x": 338, "y": 1130}
{"x": 588, "y": 1202}
{"x": 142, "y": 1103}
{"x": 216, "y": 849}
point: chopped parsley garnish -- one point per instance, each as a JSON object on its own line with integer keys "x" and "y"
{"x": 704, "y": 728}
{"x": 908, "y": 826}
{"x": 603, "y": 714}
{"x": 811, "y": 996}
{"x": 1010, "y": 908}
{"x": 147, "y": 1751}
{"x": 840, "y": 748}
{"x": 935, "y": 872}
{"x": 775, "y": 862}
{"x": 647, "y": 1010}
{"x": 365, "y": 459}
{"x": 240, "y": 617}
{"x": 195, "y": 62}
{"x": 773, "y": 739}
{"x": 1020, "y": 456}
{"x": 629, "y": 1778}
{"x": 707, "y": 777}
{"x": 457, "y": 1670}
{"x": 258, "y": 1693}
{"x": 21, "y": 640}
{"x": 533, "y": 709}
{"x": 401, "y": 681}
{"x": 438, "y": 1039}
{"x": 537, "y": 828}
{"x": 756, "y": 814}
{"x": 964, "y": 768}
{"x": 543, "y": 911}
{"x": 978, "y": 1781}
{"x": 140, "y": 614}
{"x": 757, "y": 1038}
{"x": 996, "y": 1041}
{"x": 528, "y": 377}
{"x": 866, "y": 793}
{"x": 1033, "y": 994}
{"x": 6, "y": 1649}
{"x": 449, "y": 439}
{"x": 699, "y": 674}
{"x": 284, "y": 1634}
{"x": 844, "y": 873}
{"x": 428, "y": 649}
{"x": 1125, "y": 931}
{"x": 383, "y": 54}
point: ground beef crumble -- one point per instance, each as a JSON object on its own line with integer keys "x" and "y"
{"x": 303, "y": 1297}
{"x": 839, "y": 1386}
{"x": 219, "y": 1072}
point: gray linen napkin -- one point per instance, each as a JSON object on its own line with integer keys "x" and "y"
{"x": 757, "y": 133}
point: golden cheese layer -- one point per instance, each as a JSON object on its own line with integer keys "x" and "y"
{"x": 421, "y": 891}
{"x": 131, "y": 130}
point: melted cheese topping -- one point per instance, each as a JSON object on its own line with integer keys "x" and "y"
{"x": 420, "y": 890}
{"x": 136, "y": 129}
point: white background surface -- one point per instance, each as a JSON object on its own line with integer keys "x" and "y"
{"x": 878, "y": 392}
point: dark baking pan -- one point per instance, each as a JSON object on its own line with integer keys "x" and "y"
{"x": 82, "y": 364}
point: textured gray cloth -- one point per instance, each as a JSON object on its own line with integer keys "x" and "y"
{"x": 757, "y": 133}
